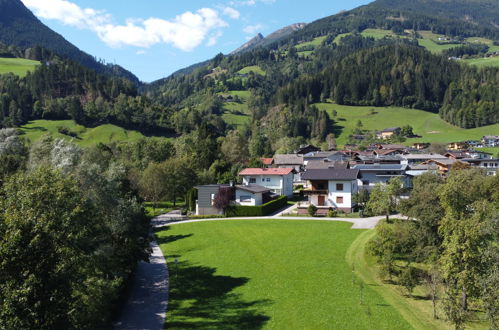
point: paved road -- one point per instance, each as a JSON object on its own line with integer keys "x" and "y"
{"x": 148, "y": 299}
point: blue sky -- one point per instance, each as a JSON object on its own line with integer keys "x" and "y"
{"x": 154, "y": 38}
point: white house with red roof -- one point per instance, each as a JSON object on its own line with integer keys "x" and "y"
{"x": 278, "y": 180}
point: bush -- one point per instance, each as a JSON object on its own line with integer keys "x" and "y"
{"x": 257, "y": 211}
{"x": 312, "y": 209}
{"x": 332, "y": 213}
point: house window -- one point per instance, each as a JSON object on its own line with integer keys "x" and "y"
{"x": 339, "y": 200}
{"x": 339, "y": 186}
{"x": 320, "y": 186}
{"x": 252, "y": 180}
{"x": 244, "y": 199}
{"x": 212, "y": 199}
{"x": 263, "y": 180}
{"x": 268, "y": 179}
{"x": 365, "y": 182}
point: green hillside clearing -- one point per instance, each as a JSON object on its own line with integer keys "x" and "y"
{"x": 85, "y": 136}
{"x": 314, "y": 43}
{"x": 426, "y": 124}
{"x": 486, "y": 61}
{"x": 254, "y": 68}
{"x": 17, "y": 66}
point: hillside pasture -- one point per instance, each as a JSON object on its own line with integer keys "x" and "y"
{"x": 483, "y": 62}
{"x": 313, "y": 43}
{"x": 34, "y": 130}
{"x": 426, "y": 124}
{"x": 272, "y": 274}
{"x": 254, "y": 68}
{"x": 17, "y": 66}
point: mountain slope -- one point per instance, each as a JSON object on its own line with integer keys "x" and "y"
{"x": 19, "y": 27}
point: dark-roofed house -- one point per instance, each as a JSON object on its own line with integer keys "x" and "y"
{"x": 332, "y": 187}
{"x": 306, "y": 148}
{"x": 277, "y": 180}
{"x": 381, "y": 173}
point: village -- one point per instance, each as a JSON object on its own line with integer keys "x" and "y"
{"x": 329, "y": 180}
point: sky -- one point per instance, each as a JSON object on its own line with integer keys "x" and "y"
{"x": 154, "y": 38}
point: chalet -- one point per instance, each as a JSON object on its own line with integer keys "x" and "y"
{"x": 490, "y": 141}
{"x": 458, "y": 146}
{"x": 491, "y": 166}
{"x": 445, "y": 165}
{"x": 278, "y": 180}
{"x": 332, "y": 188}
{"x": 326, "y": 163}
{"x": 388, "y": 152}
{"x": 389, "y": 146}
{"x": 388, "y": 133}
{"x": 419, "y": 169}
{"x": 320, "y": 155}
{"x": 371, "y": 174}
{"x": 306, "y": 148}
{"x": 420, "y": 145}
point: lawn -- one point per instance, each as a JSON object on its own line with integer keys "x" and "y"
{"x": 235, "y": 119}
{"x": 314, "y": 43}
{"x": 85, "y": 136}
{"x": 426, "y": 124}
{"x": 377, "y": 33}
{"x": 275, "y": 274}
{"x": 338, "y": 38}
{"x": 254, "y": 68}
{"x": 18, "y": 66}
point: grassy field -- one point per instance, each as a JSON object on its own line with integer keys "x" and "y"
{"x": 377, "y": 33}
{"x": 338, "y": 38}
{"x": 314, "y": 43}
{"x": 486, "y": 61}
{"x": 254, "y": 68}
{"x": 426, "y": 124}
{"x": 18, "y": 66}
{"x": 85, "y": 136}
{"x": 275, "y": 274}
{"x": 235, "y": 113}
{"x": 416, "y": 310}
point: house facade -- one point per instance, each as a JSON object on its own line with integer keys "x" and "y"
{"x": 291, "y": 161}
{"x": 371, "y": 174}
{"x": 277, "y": 180}
{"x": 388, "y": 133}
{"x": 332, "y": 188}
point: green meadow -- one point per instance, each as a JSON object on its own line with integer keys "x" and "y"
{"x": 254, "y": 68}
{"x": 426, "y": 124}
{"x": 85, "y": 136}
{"x": 17, "y": 66}
{"x": 272, "y": 274}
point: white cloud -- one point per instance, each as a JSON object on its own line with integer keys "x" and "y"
{"x": 231, "y": 12}
{"x": 250, "y": 2}
{"x": 185, "y": 31}
{"x": 252, "y": 29}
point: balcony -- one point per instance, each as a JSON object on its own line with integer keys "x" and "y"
{"x": 308, "y": 192}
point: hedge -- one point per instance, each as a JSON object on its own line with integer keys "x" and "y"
{"x": 257, "y": 211}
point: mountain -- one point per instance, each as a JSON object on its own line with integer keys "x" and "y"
{"x": 259, "y": 40}
{"x": 19, "y": 27}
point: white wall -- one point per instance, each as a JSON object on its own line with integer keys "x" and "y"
{"x": 349, "y": 188}
{"x": 280, "y": 184}
{"x": 255, "y": 199}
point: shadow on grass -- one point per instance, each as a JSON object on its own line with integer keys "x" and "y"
{"x": 200, "y": 299}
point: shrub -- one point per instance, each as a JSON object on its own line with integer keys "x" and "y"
{"x": 312, "y": 209}
{"x": 332, "y": 213}
{"x": 256, "y": 211}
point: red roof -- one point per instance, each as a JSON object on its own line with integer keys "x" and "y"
{"x": 266, "y": 171}
{"x": 267, "y": 161}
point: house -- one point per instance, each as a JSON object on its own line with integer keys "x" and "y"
{"x": 388, "y": 152}
{"x": 491, "y": 166}
{"x": 326, "y": 163}
{"x": 291, "y": 161}
{"x": 420, "y": 145}
{"x": 416, "y": 170}
{"x": 490, "y": 141}
{"x": 306, "y": 148}
{"x": 248, "y": 195}
{"x": 320, "y": 155}
{"x": 388, "y": 133}
{"x": 387, "y": 146}
{"x": 278, "y": 180}
{"x": 332, "y": 188}
{"x": 371, "y": 174}
{"x": 411, "y": 159}
{"x": 366, "y": 158}
{"x": 458, "y": 146}
{"x": 444, "y": 165}
{"x": 468, "y": 154}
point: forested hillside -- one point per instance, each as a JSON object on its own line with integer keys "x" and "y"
{"x": 19, "y": 27}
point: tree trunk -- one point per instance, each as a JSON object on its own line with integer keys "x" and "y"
{"x": 174, "y": 200}
{"x": 464, "y": 299}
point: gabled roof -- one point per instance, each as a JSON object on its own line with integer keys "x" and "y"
{"x": 423, "y": 156}
{"x": 252, "y": 188}
{"x": 331, "y": 174}
{"x": 267, "y": 161}
{"x": 381, "y": 167}
{"x": 266, "y": 171}
{"x": 391, "y": 129}
{"x": 289, "y": 159}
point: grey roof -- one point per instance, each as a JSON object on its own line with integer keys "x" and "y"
{"x": 423, "y": 156}
{"x": 424, "y": 167}
{"x": 325, "y": 163}
{"x": 391, "y": 129}
{"x": 212, "y": 185}
{"x": 288, "y": 159}
{"x": 331, "y": 174}
{"x": 253, "y": 188}
{"x": 381, "y": 167}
